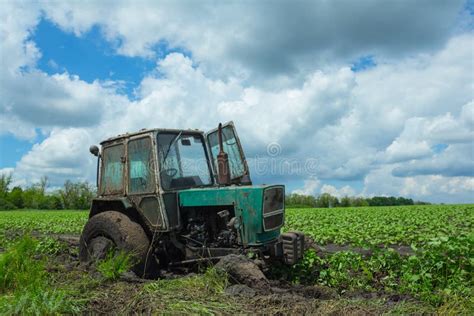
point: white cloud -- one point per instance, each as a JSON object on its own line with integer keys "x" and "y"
{"x": 401, "y": 151}
{"x": 64, "y": 154}
{"x": 456, "y": 160}
{"x": 229, "y": 35}
{"x": 18, "y": 22}
{"x": 467, "y": 114}
{"x": 58, "y": 100}
{"x": 310, "y": 187}
{"x": 6, "y": 171}
{"x": 435, "y": 188}
{"x": 341, "y": 192}
{"x": 322, "y": 114}
{"x": 31, "y": 99}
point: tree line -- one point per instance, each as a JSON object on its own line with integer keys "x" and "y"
{"x": 73, "y": 195}
{"x": 327, "y": 200}
{"x": 78, "y": 195}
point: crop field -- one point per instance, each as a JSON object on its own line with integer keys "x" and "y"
{"x": 368, "y": 260}
{"x": 424, "y": 251}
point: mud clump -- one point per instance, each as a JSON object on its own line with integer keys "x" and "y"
{"x": 284, "y": 304}
{"x": 240, "y": 290}
{"x": 314, "y": 291}
{"x": 242, "y": 270}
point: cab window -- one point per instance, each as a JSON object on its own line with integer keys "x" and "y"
{"x": 231, "y": 147}
{"x": 183, "y": 161}
{"x": 112, "y": 172}
{"x": 140, "y": 170}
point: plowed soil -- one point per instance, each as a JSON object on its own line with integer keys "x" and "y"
{"x": 131, "y": 295}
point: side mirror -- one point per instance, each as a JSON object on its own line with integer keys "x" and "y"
{"x": 94, "y": 150}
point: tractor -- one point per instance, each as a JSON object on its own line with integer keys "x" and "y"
{"x": 174, "y": 198}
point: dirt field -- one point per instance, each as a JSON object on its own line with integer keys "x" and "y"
{"x": 72, "y": 287}
{"x": 204, "y": 292}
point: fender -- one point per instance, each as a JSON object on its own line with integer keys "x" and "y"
{"x": 118, "y": 204}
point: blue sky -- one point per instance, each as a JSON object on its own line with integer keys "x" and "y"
{"x": 91, "y": 57}
{"x": 384, "y": 108}
{"x": 13, "y": 149}
{"x": 363, "y": 63}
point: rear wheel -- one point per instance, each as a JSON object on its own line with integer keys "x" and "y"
{"x": 112, "y": 230}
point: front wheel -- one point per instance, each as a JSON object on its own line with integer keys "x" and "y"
{"x": 112, "y": 230}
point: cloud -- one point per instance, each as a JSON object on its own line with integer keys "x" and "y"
{"x": 310, "y": 187}
{"x": 435, "y": 188}
{"x": 401, "y": 151}
{"x": 326, "y": 114}
{"x": 395, "y": 113}
{"x": 57, "y": 100}
{"x": 64, "y": 154}
{"x": 298, "y": 35}
{"x": 421, "y": 134}
{"x": 31, "y": 99}
{"x": 456, "y": 160}
{"x": 344, "y": 191}
{"x": 283, "y": 78}
{"x": 18, "y": 22}
{"x": 6, "y": 171}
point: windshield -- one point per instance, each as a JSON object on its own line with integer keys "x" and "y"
{"x": 183, "y": 161}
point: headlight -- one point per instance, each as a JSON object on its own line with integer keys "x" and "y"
{"x": 273, "y": 207}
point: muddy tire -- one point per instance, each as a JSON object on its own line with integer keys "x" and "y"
{"x": 108, "y": 230}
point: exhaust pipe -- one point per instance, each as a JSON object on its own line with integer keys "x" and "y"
{"x": 223, "y": 177}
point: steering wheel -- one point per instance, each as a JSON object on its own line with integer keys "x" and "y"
{"x": 170, "y": 172}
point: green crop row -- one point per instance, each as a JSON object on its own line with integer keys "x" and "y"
{"x": 54, "y": 222}
{"x": 14, "y": 224}
{"x": 438, "y": 268}
{"x": 390, "y": 225}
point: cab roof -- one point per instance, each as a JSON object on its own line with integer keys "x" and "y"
{"x": 149, "y": 131}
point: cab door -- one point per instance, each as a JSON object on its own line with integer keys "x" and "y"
{"x": 239, "y": 171}
{"x": 141, "y": 177}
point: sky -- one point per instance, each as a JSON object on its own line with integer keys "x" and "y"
{"x": 344, "y": 97}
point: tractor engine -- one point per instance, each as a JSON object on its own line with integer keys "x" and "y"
{"x": 209, "y": 226}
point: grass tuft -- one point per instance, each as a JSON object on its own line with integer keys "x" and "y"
{"x": 25, "y": 286}
{"x": 19, "y": 268}
{"x": 36, "y": 301}
{"x": 213, "y": 281}
{"x": 115, "y": 264}
{"x": 198, "y": 294}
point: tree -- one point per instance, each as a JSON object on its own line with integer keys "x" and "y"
{"x": 76, "y": 195}
{"x": 32, "y": 197}
{"x": 299, "y": 200}
{"x": 345, "y": 201}
{"x": 16, "y": 197}
{"x": 359, "y": 201}
{"x": 327, "y": 200}
{"x": 43, "y": 184}
{"x": 5, "y": 181}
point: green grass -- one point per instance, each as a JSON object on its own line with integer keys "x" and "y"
{"x": 116, "y": 264}
{"x": 24, "y": 285}
{"x": 198, "y": 294}
{"x": 18, "y": 268}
